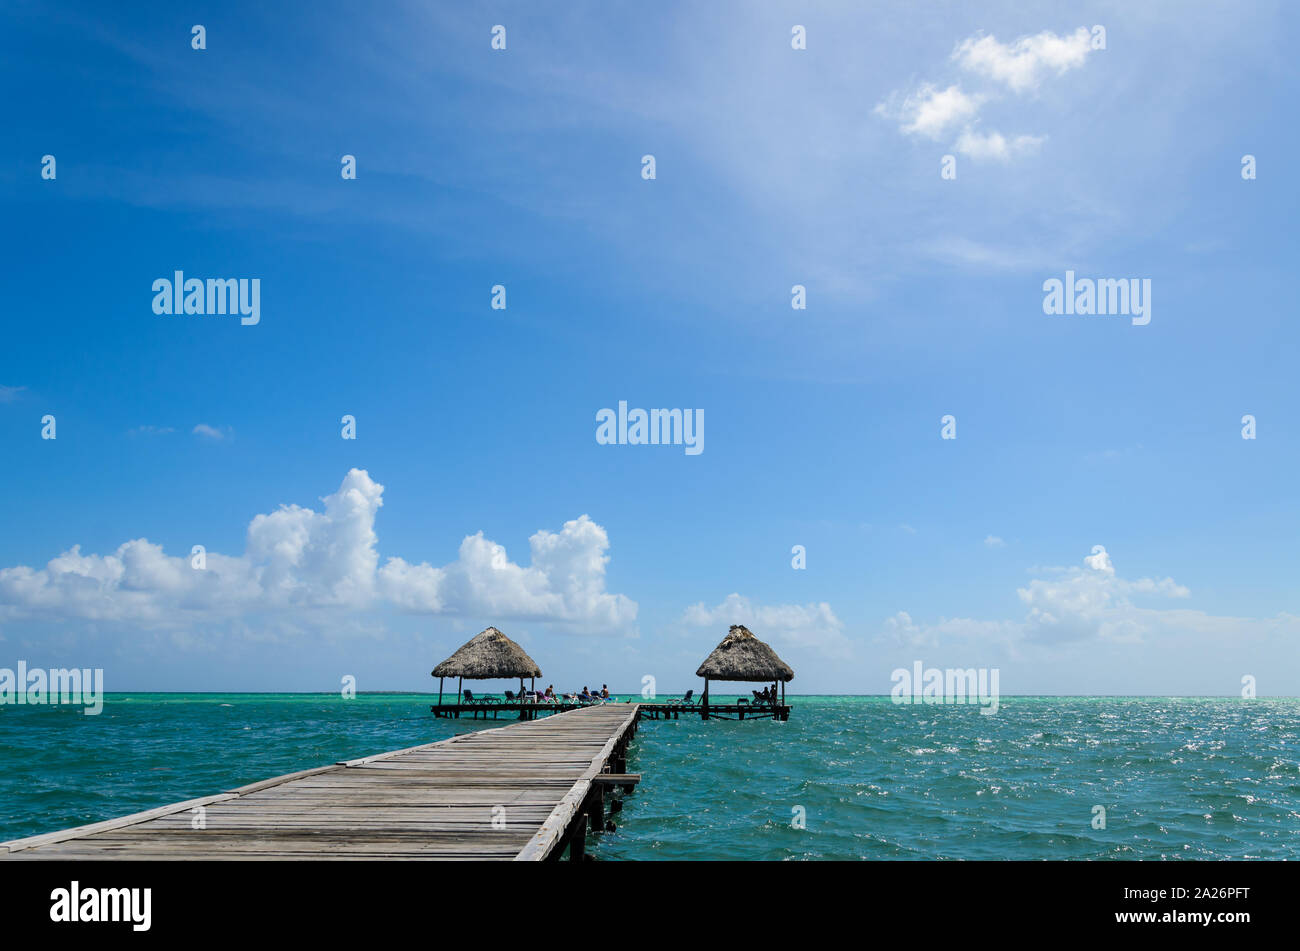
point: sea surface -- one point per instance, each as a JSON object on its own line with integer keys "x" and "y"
{"x": 845, "y": 778}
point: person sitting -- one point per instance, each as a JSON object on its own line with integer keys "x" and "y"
{"x": 604, "y": 691}
{"x": 585, "y": 696}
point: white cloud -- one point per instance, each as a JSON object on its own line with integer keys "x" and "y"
{"x": 565, "y": 582}
{"x": 1092, "y": 601}
{"x": 215, "y": 433}
{"x": 1099, "y": 560}
{"x": 930, "y": 111}
{"x": 992, "y": 541}
{"x": 904, "y": 631}
{"x": 150, "y": 431}
{"x": 1021, "y": 65}
{"x": 299, "y": 558}
{"x": 9, "y": 394}
{"x": 812, "y": 625}
{"x": 1078, "y": 603}
{"x": 995, "y": 146}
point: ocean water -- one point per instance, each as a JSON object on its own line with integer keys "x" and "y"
{"x": 865, "y": 778}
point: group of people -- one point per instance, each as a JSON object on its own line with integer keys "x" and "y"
{"x": 766, "y": 695}
{"x": 586, "y": 696}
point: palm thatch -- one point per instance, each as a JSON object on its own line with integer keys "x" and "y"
{"x": 742, "y": 656}
{"x": 489, "y": 655}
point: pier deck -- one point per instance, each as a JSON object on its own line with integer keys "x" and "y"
{"x": 525, "y": 792}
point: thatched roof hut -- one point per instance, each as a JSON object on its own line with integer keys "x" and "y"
{"x": 489, "y": 655}
{"x": 742, "y": 656}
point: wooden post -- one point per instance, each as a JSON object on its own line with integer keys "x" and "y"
{"x": 596, "y": 811}
{"x": 704, "y": 707}
{"x": 578, "y": 842}
{"x": 440, "y": 680}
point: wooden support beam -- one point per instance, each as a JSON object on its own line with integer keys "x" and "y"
{"x": 624, "y": 781}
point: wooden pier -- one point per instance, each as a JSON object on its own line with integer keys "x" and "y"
{"x": 527, "y": 791}
{"x": 651, "y": 710}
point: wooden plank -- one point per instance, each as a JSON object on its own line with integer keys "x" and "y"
{"x": 513, "y": 791}
{"x": 36, "y": 841}
{"x": 551, "y": 834}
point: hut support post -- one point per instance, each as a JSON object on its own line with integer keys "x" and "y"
{"x": 440, "y": 680}
{"x": 704, "y": 707}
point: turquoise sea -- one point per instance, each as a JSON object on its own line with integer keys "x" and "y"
{"x": 868, "y": 779}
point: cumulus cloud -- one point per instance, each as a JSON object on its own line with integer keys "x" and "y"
{"x": 299, "y": 558}
{"x": 1018, "y": 67}
{"x": 1088, "y": 602}
{"x": 1021, "y": 64}
{"x": 1092, "y": 601}
{"x": 930, "y": 111}
{"x": 565, "y": 582}
{"x": 812, "y": 625}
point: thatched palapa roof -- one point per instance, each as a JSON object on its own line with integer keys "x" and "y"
{"x": 489, "y": 655}
{"x": 742, "y": 656}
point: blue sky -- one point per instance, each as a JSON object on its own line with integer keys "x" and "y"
{"x": 774, "y": 167}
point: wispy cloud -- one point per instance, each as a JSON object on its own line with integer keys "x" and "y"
{"x": 215, "y": 433}
{"x": 996, "y": 146}
{"x": 9, "y": 394}
{"x": 812, "y": 626}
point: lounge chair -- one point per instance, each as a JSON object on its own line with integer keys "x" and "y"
{"x": 470, "y": 698}
{"x": 688, "y": 699}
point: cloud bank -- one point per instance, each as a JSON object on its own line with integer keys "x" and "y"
{"x": 299, "y": 558}
{"x": 1089, "y": 603}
